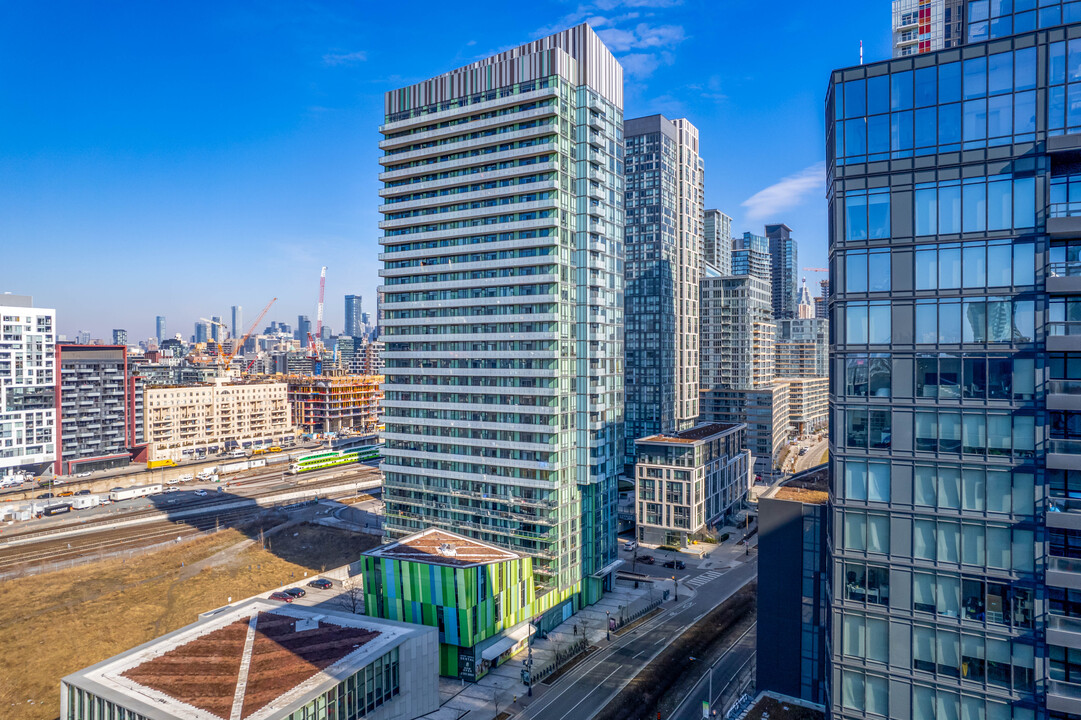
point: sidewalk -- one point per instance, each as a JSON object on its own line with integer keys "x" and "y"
{"x": 502, "y": 689}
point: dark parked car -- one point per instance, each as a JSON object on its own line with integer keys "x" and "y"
{"x": 284, "y": 597}
{"x": 295, "y": 592}
{"x": 677, "y": 564}
{"x": 83, "y": 492}
{"x": 647, "y": 559}
{"x": 45, "y": 496}
{"x": 321, "y": 584}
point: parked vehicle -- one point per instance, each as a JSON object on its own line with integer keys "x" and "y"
{"x": 172, "y": 489}
{"x": 274, "y": 448}
{"x": 44, "y": 496}
{"x": 284, "y": 597}
{"x": 173, "y": 481}
{"x": 295, "y": 592}
{"x": 236, "y": 453}
{"x": 632, "y": 545}
{"x": 117, "y": 494}
{"x": 66, "y": 493}
{"x": 59, "y": 509}
{"x": 675, "y": 564}
{"x": 83, "y": 492}
{"x": 647, "y": 559}
{"x": 321, "y": 584}
{"x": 83, "y": 474}
{"x": 83, "y": 502}
{"x": 201, "y": 493}
{"x": 160, "y": 463}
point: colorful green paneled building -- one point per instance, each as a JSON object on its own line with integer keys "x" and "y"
{"x": 480, "y": 596}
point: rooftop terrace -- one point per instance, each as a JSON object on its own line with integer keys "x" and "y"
{"x": 439, "y": 547}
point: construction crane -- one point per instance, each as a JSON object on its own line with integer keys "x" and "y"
{"x": 825, "y": 270}
{"x": 319, "y": 313}
{"x": 313, "y": 355}
{"x": 251, "y": 329}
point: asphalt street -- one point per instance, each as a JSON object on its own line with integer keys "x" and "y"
{"x": 724, "y": 669}
{"x": 589, "y": 686}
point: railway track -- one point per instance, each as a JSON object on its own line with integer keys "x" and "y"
{"x": 104, "y": 521}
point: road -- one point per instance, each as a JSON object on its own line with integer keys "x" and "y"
{"x": 813, "y": 456}
{"x": 591, "y": 685}
{"x": 725, "y": 669}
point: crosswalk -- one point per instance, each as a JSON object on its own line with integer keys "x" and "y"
{"x": 703, "y": 578}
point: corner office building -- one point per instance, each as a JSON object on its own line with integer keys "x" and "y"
{"x": 954, "y": 235}
{"x": 502, "y": 307}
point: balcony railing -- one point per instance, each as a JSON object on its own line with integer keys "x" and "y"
{"x": 1060, "y": 328}
{"x": 1064, "y": 387}
{"x": 1064, "y": 209}
{"x": 1061, "y": 504}
{"x": 1070, "y": 268}
{"x": 1064, "y": 447}
{"x": 1064, "y": 689}
{"x": 1064, "y": 564}
{"x": 1063, "y": 623}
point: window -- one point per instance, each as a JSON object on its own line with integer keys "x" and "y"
{"x": 867, "y": 532}
{"x": 868, "y": 323}
{"x": 867, "y": 213}
{"x": 868, "y": 428}
{"x": 867, "y": 271}
{"x": 867, "y": 375}
{"x": 867, "y": 583}
{"x": 867, "y": 481}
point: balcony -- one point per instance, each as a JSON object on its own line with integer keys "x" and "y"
{"x": 1063, "y": 394}
{"x": 1064, "y": 631}
{"x": 1064, "y": 220}
{"x": 1064, "y": 336}
{"x": 1063, "y": 696}
{"x": 1064, "y": 277}
{"x": 1064, "y": 513}
{"x": 1064, "y": 572}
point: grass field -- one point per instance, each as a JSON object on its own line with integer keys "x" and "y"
{"x": 56, "y": 623}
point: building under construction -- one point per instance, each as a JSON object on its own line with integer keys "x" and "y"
{"x": 333, "y": 402}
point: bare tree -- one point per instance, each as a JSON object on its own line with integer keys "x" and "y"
{"x": 353, "y": 599}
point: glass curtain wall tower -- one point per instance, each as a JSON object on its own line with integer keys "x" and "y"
{"x": 502, "y": 307}
{"x": 954, "y": 236}
{"x": 665, "y": 216}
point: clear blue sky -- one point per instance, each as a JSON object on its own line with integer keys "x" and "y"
{"x": 180, "y": 158}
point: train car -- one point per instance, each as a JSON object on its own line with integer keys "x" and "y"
{"x": 319, "y": 461}
{"x": 58, "y": 509}
{"x": 134, "y": 492}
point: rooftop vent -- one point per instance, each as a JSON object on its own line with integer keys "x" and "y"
{"x": 447, "y": 550}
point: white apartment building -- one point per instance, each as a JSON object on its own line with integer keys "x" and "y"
{"x": 502, "y": 306}
{"x": 27, "y": 384}
{"x": 182, "y": 421}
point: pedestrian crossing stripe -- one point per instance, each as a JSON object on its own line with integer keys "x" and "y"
{"x": 704, "y": 578}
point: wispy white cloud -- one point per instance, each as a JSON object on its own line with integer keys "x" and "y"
{"x": 642, "y": 37}
{"x": 333, "y": 59}
{"x": 787, "y": 193}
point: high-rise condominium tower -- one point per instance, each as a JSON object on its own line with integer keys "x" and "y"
{"x": 955, "y": 442}
{"x": 159, "y": 328}
{"x": 238, "y": 322}
{"x": 717, "y": 245}
{"x": 354, "y": 316}
{"x": 922, "y": 26}
{"x": 28, "y": 380}
{"x": 784, "y": 269}
{"x": 502, "y": 308}
{"x": 664, "y": 258}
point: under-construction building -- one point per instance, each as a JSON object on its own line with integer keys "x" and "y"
{"x": 331, "y": 403}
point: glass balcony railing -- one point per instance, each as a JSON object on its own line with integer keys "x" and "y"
{"x": 1063, "y": 564}
{"x": 1063, "y": 623}
{"x": 1064, "y": 447}
{"x": 1064, "y": 209}
{"x": 1069, "y": 268}
{"x": 1063, "y": 327}
{"x": 1064, "y": 387}
{"x": 1064, "y": 689}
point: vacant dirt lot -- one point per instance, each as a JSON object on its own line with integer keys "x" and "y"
{"x": 57, "y": 623}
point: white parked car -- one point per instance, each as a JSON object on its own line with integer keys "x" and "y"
{"x": 201, "y": 493}
{"x": 174, "y": 481}
{"x": 83, "y": 474}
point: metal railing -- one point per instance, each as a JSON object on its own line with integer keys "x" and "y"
{"x": 1064, "y": 447}
{"x": 563, "y": 656}
{"x": 1068, "y": 268}
{"x": 1063, "y": 564}
{"x": 1064, "y": 387}
{"x": 1064, "y": 209}
{"x": 1060, "y": 328}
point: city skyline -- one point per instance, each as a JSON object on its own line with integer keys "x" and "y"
{"x": 248, "y": 197}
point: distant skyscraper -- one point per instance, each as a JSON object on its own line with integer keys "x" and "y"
{"x": 238, "y": 321}
{"x": 717, "y": 246}
{"x": 750, "y": 256}
{"x": 28, "y": 380}
{"x": 784, "y": 270}
{"x": 541, "y": 448}
{"x": 354, "y": 325}
{"x": 159, "y": 327}
{"x": 664, "y": 259}
{"x": 82, "y": 337}
{"x": 922, "y": 26}
{"x": 202, "y": 332}
{"x": 120, "y": 337}
{"x": 216, "y": 329}
{"x": 304, "y": 328}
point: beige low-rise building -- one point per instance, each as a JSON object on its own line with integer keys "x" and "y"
{"x": 808, "y": 403}
{"x": 183, "y": 421}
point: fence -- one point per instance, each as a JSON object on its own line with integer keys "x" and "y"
{"x": 634, "y": 614}
{"x": 563, "y": 656}
{"x": 736, "y": 697}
